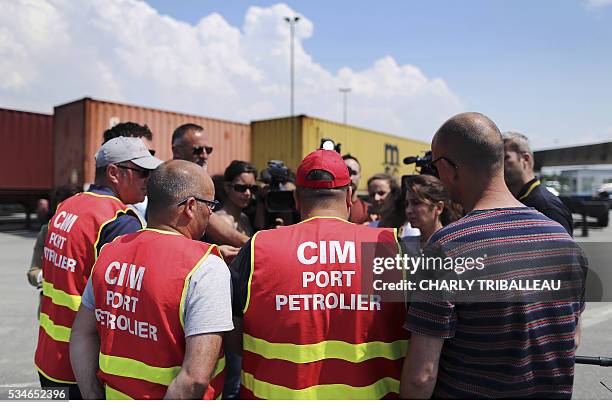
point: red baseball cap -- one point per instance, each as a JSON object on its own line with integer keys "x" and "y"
{"x": 328, "y": 160}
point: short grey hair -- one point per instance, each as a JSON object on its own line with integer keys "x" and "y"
{"x": 517, "y": 142}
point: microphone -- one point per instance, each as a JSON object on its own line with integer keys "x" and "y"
{"x": 411, "y": 159}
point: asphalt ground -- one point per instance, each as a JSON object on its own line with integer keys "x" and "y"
{"x": 19, "y": 328}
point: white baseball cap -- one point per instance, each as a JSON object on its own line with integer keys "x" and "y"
{"x": 122, "y": 149}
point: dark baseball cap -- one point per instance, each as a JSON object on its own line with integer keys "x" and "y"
{"x": 327, "y": 160}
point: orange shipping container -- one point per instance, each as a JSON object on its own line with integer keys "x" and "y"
{"x": 26, "y": 163}
{"x": 79, "y": 126}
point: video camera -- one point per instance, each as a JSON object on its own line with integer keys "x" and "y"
{"x": 278, "y": 202}
{"x": 423, "y": 164}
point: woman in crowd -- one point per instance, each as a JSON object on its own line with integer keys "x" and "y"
{"x": 387, "y": 201}
{"x": 240, "y": 187}
{"x": 428, "y": 206}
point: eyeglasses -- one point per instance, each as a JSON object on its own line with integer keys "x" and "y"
{"x": 449, "y": 161}
{"x": 152, "y": 152}
{"x": 241, "y": 188}
{"x": 144, "y": 173}
{"x": 212, "y": 204}
{"x": 200, "y": 149}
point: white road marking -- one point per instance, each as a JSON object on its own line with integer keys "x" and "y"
{"x": 20, "y": 385}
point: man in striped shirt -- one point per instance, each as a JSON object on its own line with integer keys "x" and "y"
{"x": 495, "y": 349}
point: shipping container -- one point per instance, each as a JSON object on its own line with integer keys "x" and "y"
{"x": 80, "y": 125}
{"x": 26, "y": 140}
{"x": 290, "y": 139}
{"x": 26, "y": 158}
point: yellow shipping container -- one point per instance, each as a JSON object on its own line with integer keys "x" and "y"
{"x": 376, "y": 151}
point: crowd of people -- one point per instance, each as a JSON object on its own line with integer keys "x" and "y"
{"x": 162, "y": 281}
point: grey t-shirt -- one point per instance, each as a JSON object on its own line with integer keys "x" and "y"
{"x": 208, "y": 306}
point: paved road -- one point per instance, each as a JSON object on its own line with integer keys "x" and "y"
{"x": 19, "y": 330}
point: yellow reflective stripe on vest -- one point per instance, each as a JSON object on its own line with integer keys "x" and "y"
{"x": 113, "y": 394}
{"x": 248, "y": 297}
{"x": 186, "y": 285}
{"x": 51, "y": 378}
{"x": 55, "y": 331}
{"x": 126, "y": 367}
{"x": 219, "y": 367}
{"x": 265, "y": 390}
{"x": 61, "y": 298}
{"x": 307, "y": 353}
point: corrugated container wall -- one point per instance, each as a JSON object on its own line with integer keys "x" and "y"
{"x": 273, "y": 140}
{"x": 26, "y": 162}
{"x": 377, "y": 152}
{"x": 231, "y": 140}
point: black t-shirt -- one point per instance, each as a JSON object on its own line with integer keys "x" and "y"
{"x": 547, "y": 203}
{"x": 240, "y": 270}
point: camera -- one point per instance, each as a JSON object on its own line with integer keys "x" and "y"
{"x": 278, "y": 202}
{"x": 423, "y": 164}
{"x": 275, "y": 175}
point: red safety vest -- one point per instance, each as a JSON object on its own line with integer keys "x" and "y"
{"x": 69, "y": 253}
{"x": 311, "y": 330}
{"x": 140, "y": 282}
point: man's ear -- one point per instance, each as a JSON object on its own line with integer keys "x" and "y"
{"x": 349, "y": 197}
{"x": 175, "y": 151}
{"x": 528, "y": 159}
{"x": 190, "y": 208}
{"x": 112, "y": 173}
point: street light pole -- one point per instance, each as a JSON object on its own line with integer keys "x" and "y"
{"x": 292, "y": 21}
{"x": 345, "y": 92}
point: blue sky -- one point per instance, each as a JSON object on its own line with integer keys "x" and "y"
{"x": 541, "y": 67}
{"x": 544, "y": 67}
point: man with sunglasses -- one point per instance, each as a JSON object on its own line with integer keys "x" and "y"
{"x": 81, "y": 225}
{"x": 131, "y": 129}
{"x": 166, "y": 316}
{"x": 190, "y": 142}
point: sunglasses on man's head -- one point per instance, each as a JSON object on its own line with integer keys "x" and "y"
{"x": 241, "y": 188}
{"x": 200, "y": 149}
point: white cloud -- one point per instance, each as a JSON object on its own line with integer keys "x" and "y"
{"x": 598, "y": 3}
{"x": 53, "y": 51}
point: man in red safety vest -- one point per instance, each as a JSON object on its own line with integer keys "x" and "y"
{"x": 77, "y": 231}
{"x": 158, "y": 300}
{"x": 310, "y": 326}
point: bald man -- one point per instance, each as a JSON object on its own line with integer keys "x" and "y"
{"x": 158, "y": 300}
{"x": 474, "y": 350}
